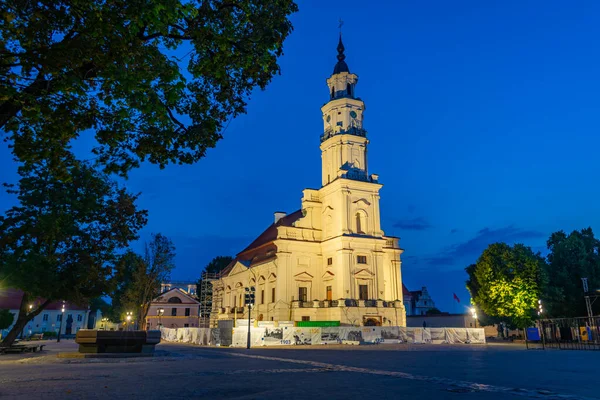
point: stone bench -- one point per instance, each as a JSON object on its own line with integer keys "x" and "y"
{"x": 92, "y": 341}
{"x": 22, "y": 348}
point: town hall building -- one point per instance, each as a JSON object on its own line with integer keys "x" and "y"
{"x": 330, "y": 260}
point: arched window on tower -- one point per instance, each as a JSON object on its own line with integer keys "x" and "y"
{"x": 361, "y": 222}
{"x": 349, "y": 90}
{"x": 332, "y": 92}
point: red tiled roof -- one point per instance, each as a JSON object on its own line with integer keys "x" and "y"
{"x": 259, "y": 249}
{"x": 405, "y": 291}
{"x": 10, "y": 299}
{"x": 270, "y": 233}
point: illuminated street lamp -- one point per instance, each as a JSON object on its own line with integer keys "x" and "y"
{"x": 62, "y": 316}
{"x": 540, "y": 309}
{"x": 474, "y": 315}
{"x": 104, "y": 322}
{"x": 160, "y": 313}
{"x": 129, "y": 314}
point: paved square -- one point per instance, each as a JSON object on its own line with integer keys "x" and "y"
{"x": 383, "y": 371}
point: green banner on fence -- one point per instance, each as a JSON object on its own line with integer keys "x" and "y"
{"x": 315, "y": 324}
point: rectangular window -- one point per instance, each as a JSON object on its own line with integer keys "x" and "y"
{"x": 303, "y": 294}
{"x": 79, "y": 318}
{"x": 186, "y": 325}
{"x": 305, "y": 318}
{"x": 273, "y": 295}
{"x": 43, "y": 329}
{"x": 363, "y": 292}
{"x": 45, "y": 317}
{"x": 173, "y": 312}
{"x": 329, "y": 293}
{"x": 59, "y": 317}
{"x": 330, "y": 261}
{"x": 262, "y": 296}
{"x": 187, "y": 312}
{"x": 361, "y": 259}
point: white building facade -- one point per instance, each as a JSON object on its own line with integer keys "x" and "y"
{"x": 51, "y": 319}
{"x": 330, "y": 260}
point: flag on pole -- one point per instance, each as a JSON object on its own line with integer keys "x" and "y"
{"x": 456, "y": 298}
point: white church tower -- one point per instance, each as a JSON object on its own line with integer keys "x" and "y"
{"x": 330, "y": 260}
{"x": 345, "y": 177}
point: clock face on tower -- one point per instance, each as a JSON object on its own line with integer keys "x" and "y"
{"x": 353, "y": 114}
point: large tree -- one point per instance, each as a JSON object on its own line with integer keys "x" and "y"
{"x": 506, "y": 283}
{"x": 153, "y": 80}
{"x": 61, "y": 241}
{"x": 572, "y": 257}
{"x": 142, "y": 276}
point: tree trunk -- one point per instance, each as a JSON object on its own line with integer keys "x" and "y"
{"x": 22, "y": 320}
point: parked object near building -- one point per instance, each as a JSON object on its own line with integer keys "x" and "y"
{"x": 49, "y": 320}
{"x": 330, "y": 260}
{"x": 173, "y": 309}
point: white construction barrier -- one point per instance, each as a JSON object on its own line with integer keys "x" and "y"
{"x": 285, "y": 334}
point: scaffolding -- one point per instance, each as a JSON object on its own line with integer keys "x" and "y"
{"x": 208, "y": 301}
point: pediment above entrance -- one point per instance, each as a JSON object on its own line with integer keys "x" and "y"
{"x": 364, "y": 274}
{"x": 303, "y": 276}
{"x": 328, "y": 275}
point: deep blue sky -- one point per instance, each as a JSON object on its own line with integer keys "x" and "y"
{"x": 483, "y": 121}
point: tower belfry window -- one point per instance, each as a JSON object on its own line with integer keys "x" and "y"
{"x": 349, "y": 90}
{"x": 332, "y": 92}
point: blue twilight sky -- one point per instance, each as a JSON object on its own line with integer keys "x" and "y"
{"x": 483, "y": 120}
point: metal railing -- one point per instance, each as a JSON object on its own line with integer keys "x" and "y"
{"x": 571, "y": 333}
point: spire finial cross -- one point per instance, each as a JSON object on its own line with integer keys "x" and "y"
{"x": 341, "y": 23}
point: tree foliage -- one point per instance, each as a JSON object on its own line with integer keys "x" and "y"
{"x": 6, "y": 319}
{"x": 61, "y": 241}
{"x": 140, "y": 277}
{"x": 571, "y": 258}
{"x": 155, "y": 80}
{"x": 506, "y": 282}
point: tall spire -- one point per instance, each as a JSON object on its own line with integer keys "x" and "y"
{"x": 341, "y": 65}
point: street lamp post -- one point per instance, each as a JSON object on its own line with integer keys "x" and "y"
{"x": 249, "y": 302}
{"x": 62, "y": 316}
{"x": 474, "y": 315}
{"x": 160, "y": 313}
{"x": 129, "y": 314}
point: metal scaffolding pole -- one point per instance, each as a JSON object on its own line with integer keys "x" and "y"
{"x": 208, "y": 300}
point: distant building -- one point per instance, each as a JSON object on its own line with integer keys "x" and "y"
{"x": 407, "y": 300}
{"x": 174, "y": 308}
{"x": 420, "y": 302}
{"x": 187, "y": 286}
{"x": 49, "y": 320}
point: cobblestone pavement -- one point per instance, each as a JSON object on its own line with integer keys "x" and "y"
{"x": 335, "y": 372}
